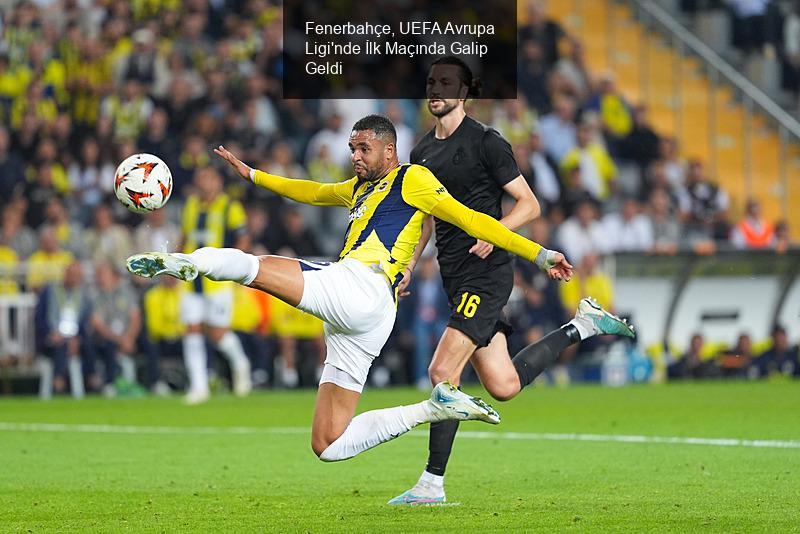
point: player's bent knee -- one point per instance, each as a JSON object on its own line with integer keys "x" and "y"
{"x": 505, "y": 390}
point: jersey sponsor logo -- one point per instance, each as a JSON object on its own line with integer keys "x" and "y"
{"x": 357, "y": 213}
{"x": 459, "y": 156}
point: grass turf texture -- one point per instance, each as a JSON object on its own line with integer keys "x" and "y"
{"x": 147, "y": 482}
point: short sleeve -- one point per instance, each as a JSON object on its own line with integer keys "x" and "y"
{"x": 499, "y": 158}
{"x": 422, "y": 189}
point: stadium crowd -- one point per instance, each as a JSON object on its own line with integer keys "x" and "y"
{"x": 85, "y": 83}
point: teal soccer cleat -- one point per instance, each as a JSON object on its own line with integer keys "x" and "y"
{"x": 602, "y": 322}
{"x": 152, "y": 264}
{"x": 449, "y": 402}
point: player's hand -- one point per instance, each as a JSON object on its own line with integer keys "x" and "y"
{"x": 403, "y": 285}
{"x": 482, "y": 249}
{"x": 242, "y": 169}
{"x": 561, "y": 270}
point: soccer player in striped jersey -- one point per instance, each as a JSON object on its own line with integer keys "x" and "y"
{"x": 356, "y": 296}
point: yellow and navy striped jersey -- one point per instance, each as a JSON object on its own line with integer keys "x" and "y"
{"x": 386, "y": 215}
{"x": 216, "y": 224}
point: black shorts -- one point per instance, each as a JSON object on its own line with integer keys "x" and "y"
{"x": 477, "y": 300}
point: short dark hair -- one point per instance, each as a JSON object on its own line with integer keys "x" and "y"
{"x": 472, "y": 84}
{"x": 381, "y": 125}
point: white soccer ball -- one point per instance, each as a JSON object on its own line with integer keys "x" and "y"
{"x": 143, "y": 183}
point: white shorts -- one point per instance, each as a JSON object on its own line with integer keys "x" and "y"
{"x": 213, "y": 309}
{"x": 357, "y": 304}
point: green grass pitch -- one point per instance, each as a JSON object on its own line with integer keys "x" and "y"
{"x": 195, "y": 469}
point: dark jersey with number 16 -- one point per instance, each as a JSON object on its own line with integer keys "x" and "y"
{"x": 474, "y": 164}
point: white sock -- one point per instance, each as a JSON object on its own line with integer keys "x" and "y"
{"x": 194, "y": 355}
{"x": 222, "y": 264}
{"x": 372, "y": 428}
{"x": 75, "y": 371}
{"x": 230, "y": 346}
{"x": 128, "y": 367}
{"x": 429, "y": 485}
{"x": 583, "y": 326}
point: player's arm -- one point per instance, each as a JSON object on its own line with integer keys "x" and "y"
{"x": 305, "y": 191}
{"x": 427, "y": 230}
{"x": 423, "y": 191}
{"x": 526, "y": 208}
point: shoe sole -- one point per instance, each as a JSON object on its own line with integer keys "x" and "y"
{"x": 151, "y": 265}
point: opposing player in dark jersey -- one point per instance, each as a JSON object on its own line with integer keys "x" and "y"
{"x": 477, "y": 167}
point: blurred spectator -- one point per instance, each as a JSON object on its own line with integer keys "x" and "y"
{"x": 582, "y": 234}
{"x": 692, "y": 364}
{"x": 532, "y": 75}
{"x": 155, "y": 138}
{"x": 193, "y": 157}
{"x": 48, "y": 263}
{"x": 13, "y": 231}
{"x": 612, "y": 108}
{"x": 116, "y": 320}
{"x": 734, "y": 363}
{"x": 558, "y": 128}
{"x": 62, "y": 315}
{"x": 69, "y": 234}
{"x": 143, "y": 64}
{"x": 9, "y": 263}
{"x": 543, "y": 30}
{"x": 790, "y": 79}
{"x": 322, "y": 168}
{"x": 629, "y": 230}
{"x": 38, "y": 194}
{"x": 673, "y": 166}
{"x": 544, "y": 171}
{"x": 515, "y": 121}
{"x": 573, "y": 69}
{"x": 12, "y": 168}
{"x": 750, "y": 24}
{"x": 128, "y": 109}
{"x": 90, "y": 176}
{"x": 782, "y": 238}
{"x": 665, "y": 225}
{"x": 703, "y": 205}
{"x": 588, "y": 281}
{"x": 753, "y": 231}
{"x": 107, "y": 240}
{"x": 333, "y": 135}
{"x": 157, "y": 233}
{"x": 296, "y": 236}
{"x": 597, "y": 169}
{"x": 163, "y": 327}
{"x": 780, "y": 359}
{"x": 641, "y": 145}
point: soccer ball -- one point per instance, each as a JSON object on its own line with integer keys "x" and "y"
{"x": 143, "y": 183}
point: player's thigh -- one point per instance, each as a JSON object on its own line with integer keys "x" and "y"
{"x": 218, "y": 312}
{"x": 192, "y": 310}
{"x": 335, "y": 408}
{"x": 281, "y": 277}
{"x": 450, "y": 356}
{"x": 495, "y": 369}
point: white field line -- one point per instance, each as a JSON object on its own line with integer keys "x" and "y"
{"x": 523, "y": 436}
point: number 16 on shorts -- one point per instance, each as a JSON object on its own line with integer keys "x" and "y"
{"x": 469, "y": 304}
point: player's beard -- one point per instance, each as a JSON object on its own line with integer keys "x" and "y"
{"x": 445, "y": 109}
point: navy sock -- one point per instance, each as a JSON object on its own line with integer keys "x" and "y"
{"x": 440, "y": 443}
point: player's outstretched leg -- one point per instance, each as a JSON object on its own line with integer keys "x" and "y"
{"x": 590, "y": 320}
{"x": 372, "y": 428}
{"x": 215, "y": 263}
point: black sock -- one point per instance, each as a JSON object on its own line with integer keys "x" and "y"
{"x": 531, "y": 361}
{"x": 442, "y": 435}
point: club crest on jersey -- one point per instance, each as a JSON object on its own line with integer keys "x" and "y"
{"x": 357, "y": 213}
{"x": 459, "y": 156}
{"x": 382, "y": 186}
